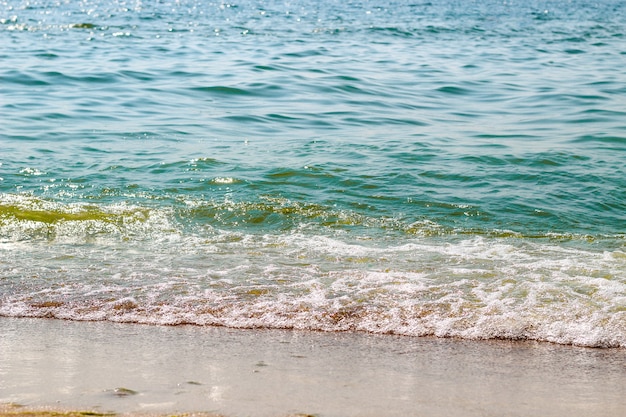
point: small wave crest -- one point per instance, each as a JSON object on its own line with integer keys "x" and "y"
{"x": 29, "y": 218}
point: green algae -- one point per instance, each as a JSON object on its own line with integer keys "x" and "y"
{"x": 39, "y": 218}
{"x": 52, "y": 216}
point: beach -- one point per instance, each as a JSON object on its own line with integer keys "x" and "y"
{"x": 124, "y": 368}
{"x": 272, "y": 208}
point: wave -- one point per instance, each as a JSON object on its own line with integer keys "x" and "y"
{"x": 400, "y": 303}
{"x": 29, "y": 218}
{"x": 137, "y": 264}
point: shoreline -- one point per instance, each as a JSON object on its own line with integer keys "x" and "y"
{"x": 15, "y": 410}
{"x": 124, "y": 369}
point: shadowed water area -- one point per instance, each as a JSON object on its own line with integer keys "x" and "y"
{"x": 423, "y": 168}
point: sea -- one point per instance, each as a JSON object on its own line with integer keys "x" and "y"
{"x": 436, "y": 168}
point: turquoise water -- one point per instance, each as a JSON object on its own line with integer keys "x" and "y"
{"x": 422, "y": 168}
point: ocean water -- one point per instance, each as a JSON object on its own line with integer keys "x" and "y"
{"x": 445, "y": 167}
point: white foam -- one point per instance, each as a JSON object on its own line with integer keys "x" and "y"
{"x": 478, "y": 287}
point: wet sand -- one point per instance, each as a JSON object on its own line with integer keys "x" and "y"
{"x": 122, "y": 368}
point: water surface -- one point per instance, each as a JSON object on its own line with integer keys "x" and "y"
{"x": 420, "y": 168}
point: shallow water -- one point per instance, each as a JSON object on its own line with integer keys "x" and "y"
{"x": 108, "y": 367}
{"x": 422, "y": 168}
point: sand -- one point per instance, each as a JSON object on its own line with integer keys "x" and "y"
{"x": 126, "y": 368}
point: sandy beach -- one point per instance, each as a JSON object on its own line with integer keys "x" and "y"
{"x": 115, "y": 368}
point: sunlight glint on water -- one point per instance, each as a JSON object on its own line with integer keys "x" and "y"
{"x": 413, "y": 168}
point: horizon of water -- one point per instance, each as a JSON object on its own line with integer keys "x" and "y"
{"x": 419, "y": 168}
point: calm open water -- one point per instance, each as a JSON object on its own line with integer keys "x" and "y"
{"x": 449, "y": 168}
